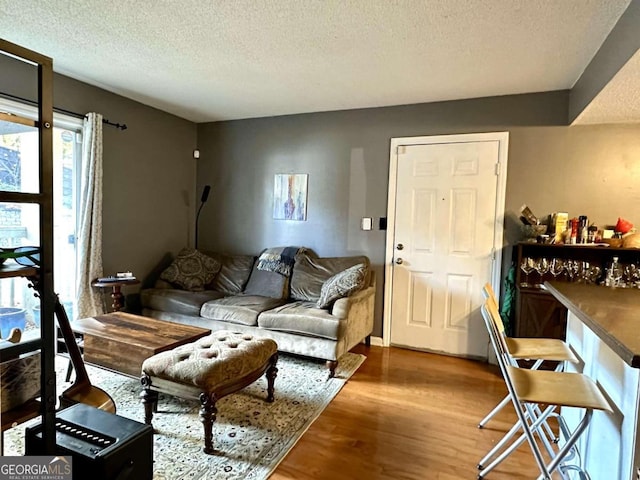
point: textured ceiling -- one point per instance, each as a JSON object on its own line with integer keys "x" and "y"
{"x": 619, "y": 100}
{"x": 207, "y": 60}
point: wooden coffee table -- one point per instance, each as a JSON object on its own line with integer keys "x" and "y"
{"x": 121, "y": 341}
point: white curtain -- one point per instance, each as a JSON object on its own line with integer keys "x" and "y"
{"x": 89, "y": 265}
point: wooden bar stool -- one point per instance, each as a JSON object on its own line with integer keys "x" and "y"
{"x": 536, "y": 349}
{"x": 533, "y": 388}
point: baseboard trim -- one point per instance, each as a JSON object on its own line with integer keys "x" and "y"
{"x": 379, "y": 342}
{"x": 376, "y": 342}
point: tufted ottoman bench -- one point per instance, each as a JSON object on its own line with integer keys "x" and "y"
{"x": 207, "y": 370}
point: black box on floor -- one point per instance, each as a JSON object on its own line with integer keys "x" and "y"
{"x": 104, "y": 446}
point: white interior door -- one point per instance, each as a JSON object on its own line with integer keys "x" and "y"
{"x": 444, "y": 239}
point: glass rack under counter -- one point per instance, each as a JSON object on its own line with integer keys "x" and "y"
{"x": 539, "y": 314}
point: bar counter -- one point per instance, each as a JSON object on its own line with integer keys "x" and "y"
{"x": 612, "y": 313}
{"x": 603, "y": 329}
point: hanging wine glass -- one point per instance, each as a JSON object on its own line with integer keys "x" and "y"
{"x": 635, "y": 275}
{"x": 527, "y": 266}
{"x": 542, "y": 267}
{"x": 557, "y": 267}
{"x": 572, "y": 268}
{"x": 583, "y": 272}
{"x": 568, "y": 267}
{"x": 593, "y": 273}
{"x": 631, "y": 275}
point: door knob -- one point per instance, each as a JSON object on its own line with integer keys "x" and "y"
{"x": 400, "y": 246}
{"x": 399, "y": 261}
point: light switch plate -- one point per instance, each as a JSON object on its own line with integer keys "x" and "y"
{"x": 366, "y": 223}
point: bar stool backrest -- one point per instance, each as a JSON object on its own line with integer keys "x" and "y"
{"x": 495, "y": 328}
{"x": 488, "y": 292}
{"x": 495, "y": 316}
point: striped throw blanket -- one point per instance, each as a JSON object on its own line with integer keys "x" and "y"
{"x": 279, "y": 260}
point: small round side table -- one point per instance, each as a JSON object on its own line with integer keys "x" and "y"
{"x": 115, "y": 285}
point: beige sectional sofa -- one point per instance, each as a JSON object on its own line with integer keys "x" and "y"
{"x": 244, "y": 297}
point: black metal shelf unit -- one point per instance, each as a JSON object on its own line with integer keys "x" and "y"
{"x": 42, "y": 276}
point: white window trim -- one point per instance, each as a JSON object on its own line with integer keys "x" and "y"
{"x": 60, "y": 120}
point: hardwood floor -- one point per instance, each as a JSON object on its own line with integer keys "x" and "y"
{"x": 408, "y": 415}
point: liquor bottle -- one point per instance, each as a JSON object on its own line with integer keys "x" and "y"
{"x": 583, "y": 225}
{"x": 613, "y": 278}
{"x": 574, "y": 231}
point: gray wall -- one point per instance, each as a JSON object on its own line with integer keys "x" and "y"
{"x": 151, "y": 192}
{"x": 552, "y": 167}
{"x": 149, "y": 170}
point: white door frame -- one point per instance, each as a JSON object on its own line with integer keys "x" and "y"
{"x": 498, "y": 228}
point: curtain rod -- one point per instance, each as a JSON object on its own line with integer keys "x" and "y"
{"x": 120, "y": 126}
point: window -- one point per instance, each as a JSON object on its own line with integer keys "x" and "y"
{"x": 19, "y": 223}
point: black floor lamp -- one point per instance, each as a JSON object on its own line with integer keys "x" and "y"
{"x": 203, "y": 200}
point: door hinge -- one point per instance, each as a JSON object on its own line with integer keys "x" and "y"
{"x": 401, "y": 150}
{"x": 493, "y": 254}
{"x": 497, "y": 169}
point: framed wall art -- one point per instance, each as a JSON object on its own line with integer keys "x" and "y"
{"x": 290, "y": 196}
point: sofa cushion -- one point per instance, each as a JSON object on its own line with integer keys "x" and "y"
{"x": 164, "y": 284}
{"x": 234, "y": 272}
{"x": 342, "y": 284}
{"x": 191, "y": 270}
{"x": 301, "y": 318}
{"x": 310, "y": 273}
{"x": 267, "y": 284}
{"x": 242, "y": 309}
{"x": 176, "y": 301}
{"x": 278, "y": 259}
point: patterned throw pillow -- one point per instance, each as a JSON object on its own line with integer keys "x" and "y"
{"x": 342, "y": 285}
{"x": 191, "y": 270}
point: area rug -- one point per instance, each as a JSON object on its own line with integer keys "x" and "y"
{"x": 250, "y": 435}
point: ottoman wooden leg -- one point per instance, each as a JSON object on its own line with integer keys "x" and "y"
{"x": 272, "y": 373}
{"x": 208, "y": 413}
{"x": 149, "y": 399}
